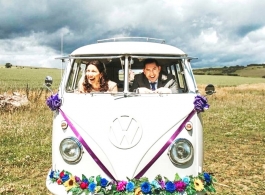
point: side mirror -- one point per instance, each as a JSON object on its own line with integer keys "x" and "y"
{"x": 48, "y": 81}
{"x": 210, "y": 89}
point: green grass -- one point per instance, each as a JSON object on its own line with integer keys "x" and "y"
{"x": 16, "y": 79}
{"x": 257, "y": 70}
{"x": 234, "y": 136}
{"x": 235, "y": 139}
{"x": 252, "y": 71}
{"x": 225, "y": 81}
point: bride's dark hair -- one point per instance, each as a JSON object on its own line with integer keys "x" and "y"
{"x": 103, "y": 80}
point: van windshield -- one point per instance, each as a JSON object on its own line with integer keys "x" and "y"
{"x": 115, "y": 71}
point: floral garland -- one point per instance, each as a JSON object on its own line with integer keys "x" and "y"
{"x": 189, "y": 185}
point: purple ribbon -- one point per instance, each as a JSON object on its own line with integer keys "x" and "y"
{"x": 53, "y": 102}
{"x": 181, "y": 127}
{"x": 200, "y": 103}
{"x": 82, "y": 141}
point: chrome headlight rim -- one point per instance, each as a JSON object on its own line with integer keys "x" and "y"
{"x": 172, "y": 151}
{"x": 79, "y": 147}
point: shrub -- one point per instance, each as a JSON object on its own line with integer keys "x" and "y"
{"x": 218, "y": 74}
{"x": 231, "y": 74}
{"x": 199, "y": 73}
{"x": 8, "y": 65}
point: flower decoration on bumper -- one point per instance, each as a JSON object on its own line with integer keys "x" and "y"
{"x": 189, "y": 185}
{"x": 201, "y": 103}
{"x": 54, "y": 102}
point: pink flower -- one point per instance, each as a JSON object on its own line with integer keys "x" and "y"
{"x": 59, "y": 181}
{"x": 61, "y": 174}
{"x": 121, "y": 186}
{"x": 83, "y": 185}
{"x": 180, "y": 186}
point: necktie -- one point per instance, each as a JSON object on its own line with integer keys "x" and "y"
{"x": 153, "y": 86}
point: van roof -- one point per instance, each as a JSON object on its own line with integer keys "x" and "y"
{"x": 128, "y": 47}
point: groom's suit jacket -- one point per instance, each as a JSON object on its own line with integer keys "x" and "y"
{"x": 164, "y": 80}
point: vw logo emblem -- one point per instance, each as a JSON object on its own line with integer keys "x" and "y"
{"x": 125, "y": 132}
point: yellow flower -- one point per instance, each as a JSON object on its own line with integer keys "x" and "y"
{"x": 97, "y": 189}
{"x": 138, "y": 191}
{"x": 198, "y": 185}
{"x": 70, "y": 183}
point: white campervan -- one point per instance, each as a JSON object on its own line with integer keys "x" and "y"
{"x": 127, "y": 142}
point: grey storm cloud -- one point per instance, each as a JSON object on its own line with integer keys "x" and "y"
{"x": 219, "y": 33}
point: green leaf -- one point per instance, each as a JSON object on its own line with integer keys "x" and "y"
{"x": 166, "y": 179}
{"x": 212, "y": 189}
{"x": 98, "y": 179}
{"x": 75, "y": 191}
{"x": 158, "y": 178}
{"x": 68, "y": 173}
{"x": 91, "y": 179}
{"x": 143, "y": 179}
{"x": 177, "y": 177}
{"x": 83, "y": 177}
{"x": 168, "y": 193}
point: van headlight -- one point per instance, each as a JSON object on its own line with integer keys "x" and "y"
{"x": 71, "y": 150}
{"x": 181, "y": 151}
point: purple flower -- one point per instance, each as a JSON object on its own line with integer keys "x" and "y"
{"x": 180, "y": 186}
{"x": 162, "y": 184}
{"x": 77, "y": 179}
{"x": 53, "y": 102}
{"x": 130, "y": 186}
{"x": 146, "y": 187}
{"x": 170, "y": 187}
{"x": 200, "y": 103}
{"x": 103, "y": 182}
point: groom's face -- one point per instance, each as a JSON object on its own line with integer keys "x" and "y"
{"x": 152, "y": 71}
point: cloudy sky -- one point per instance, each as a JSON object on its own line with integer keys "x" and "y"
{"x": 218, "y": 32}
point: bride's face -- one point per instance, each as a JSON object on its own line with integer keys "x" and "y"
{"x": 93, "y": 75}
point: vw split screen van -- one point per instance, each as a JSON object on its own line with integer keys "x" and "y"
{"x": 127, "y": 142}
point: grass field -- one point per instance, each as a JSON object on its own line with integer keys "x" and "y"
{"x": 16, "y": 79}
{"x": 233, "y": 131}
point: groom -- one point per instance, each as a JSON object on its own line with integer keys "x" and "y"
{"x": 152, "y": 80}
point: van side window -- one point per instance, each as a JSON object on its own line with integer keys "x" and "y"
{"x": 181, "y": 78}
{"x": 76, "y": 73}
{"x": 177, "y": 70}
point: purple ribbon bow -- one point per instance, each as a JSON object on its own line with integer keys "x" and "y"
{"x": 53, "y": 102}
{"x": 200, "y": 103}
